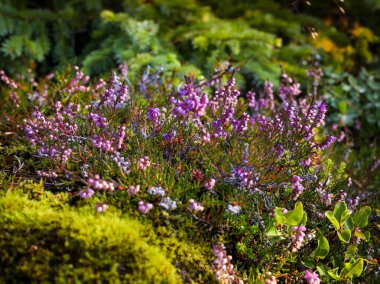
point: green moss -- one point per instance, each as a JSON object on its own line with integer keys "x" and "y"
{"x": 43, "y": 243}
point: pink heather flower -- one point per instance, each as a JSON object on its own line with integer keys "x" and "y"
{"x": 297, "y": 186}
{"x": 99, "y": 121}
{"x": 196, "y": 206}
{"x": 269, "y": 278}
{"x": 206, "y": 136}
{"x": 222, "y": 266}
{"x": 133, "y": 189}
{"x": 297, "y": 237}
{"x": 143, "y": 163}
{"x": 144, "y": 207}
{"x": 86, "y": 193}
{"x": 101, "y": 207}
{"x": 251, "y": 99}
{"x": 311, "y": 277}
{"x": 99, "y": 184}
{"x": 48, "y": 174}
{"x": 210, "y": 184}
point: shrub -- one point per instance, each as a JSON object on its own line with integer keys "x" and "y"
{"x": 246, "y": 174}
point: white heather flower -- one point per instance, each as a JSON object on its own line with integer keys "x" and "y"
{"x": 156, "y": 190}
{"x": 233, "y": 209}
{"x": 168, "y": 203}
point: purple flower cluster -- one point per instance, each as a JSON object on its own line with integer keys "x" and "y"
{"x": 223, "y": 268}
{"x": 297, "y": 236}
{"x": 103, "y": 143}
{"x": 297, "y": 187}
{"x": 99, "y": 184}
{"x": 99, "y": 120}
{"x": 153, "y": 116}
{"x": 144, "y": 207}
{"x": 326, "y": 198}
{"x": 101, "y": 207}
{"x": 270, "y": 278}
{"x": 86, "y": 193}
{"x": 244, "y": 176}
{"x": 209, "y": 184}
{"x": 143, "y": 163}
{"x": 311, "y": 277}
{"x": 48, "y": 174}
{"x": 115, "y": 95}
{"x": 240, "y": 126}
{"x": 11, "y": 83}
{"x": 133, "y": 189}
{"x": 191, "y": 100}
{"x": 195, "y": 206}
{"x": 288, "y": 88}
{"x": 122, "y": 163}
{"x": 325, "y": 143}
{"x": 53, "y": 135}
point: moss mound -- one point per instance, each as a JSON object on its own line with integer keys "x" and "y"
{"x": 47, "y": 241}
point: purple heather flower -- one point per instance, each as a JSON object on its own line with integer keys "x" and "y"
{"x": 49, "y": 174}
{"x": 133, "y": 189}
{"x": 143, "y": 163}
{"x": 297, "y": 186}
{"x": 120, "y": 136}
{"x": 153, "y": 116}
{"x": 209, "y": 184}
{"x": 297, "y": 236}
{"x": 144, "y": 207}
{"x": 240, "y": 126}
{"x": 311, "y": 277}
{"x": 222, "y": 267}
{"x": 102, "y": 143}
{"x": 99, "y": 184}
{"x": 101, "y": 207}
{"x": 279, "y": 150}
{"x": 251, "y": 99}
{"x": 196, "y": 206}
{"x": 99, "y": 121}
{"x": 86, "y": 193}
{"x": 190, "y": 101}
{"x": 326, "y": 143}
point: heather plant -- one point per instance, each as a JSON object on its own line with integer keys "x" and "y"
{"x": 245, "y": 174}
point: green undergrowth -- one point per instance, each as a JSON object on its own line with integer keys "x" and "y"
{"x": 44, "y": 239}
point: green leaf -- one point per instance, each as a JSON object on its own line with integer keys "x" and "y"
{"x": 351, "y": 269}
{"x": 334, "y": 274}
{"x": 294, "y": 217}
{"x": 367, "y": 235}
{"x": 323, "y": 248}
{"x": 345, "y": 215}
{"x": 272, "y": 232}
{"x": 342, "y": 107}
{"x": 363, "y": 235}
{"x": 309, "y": 263}
{"x": 330, "y": 216}
{"x": 361, "y": 217}
{"x": 350, "y": 252}
{"x": 340, "y": 210}
{"x": 304, "y": 219}
{"x": 322, "y": 269}
{"x": 345, "y": 236}
{"x": 349, "y": 223}
{"x": 280, "y": 218}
